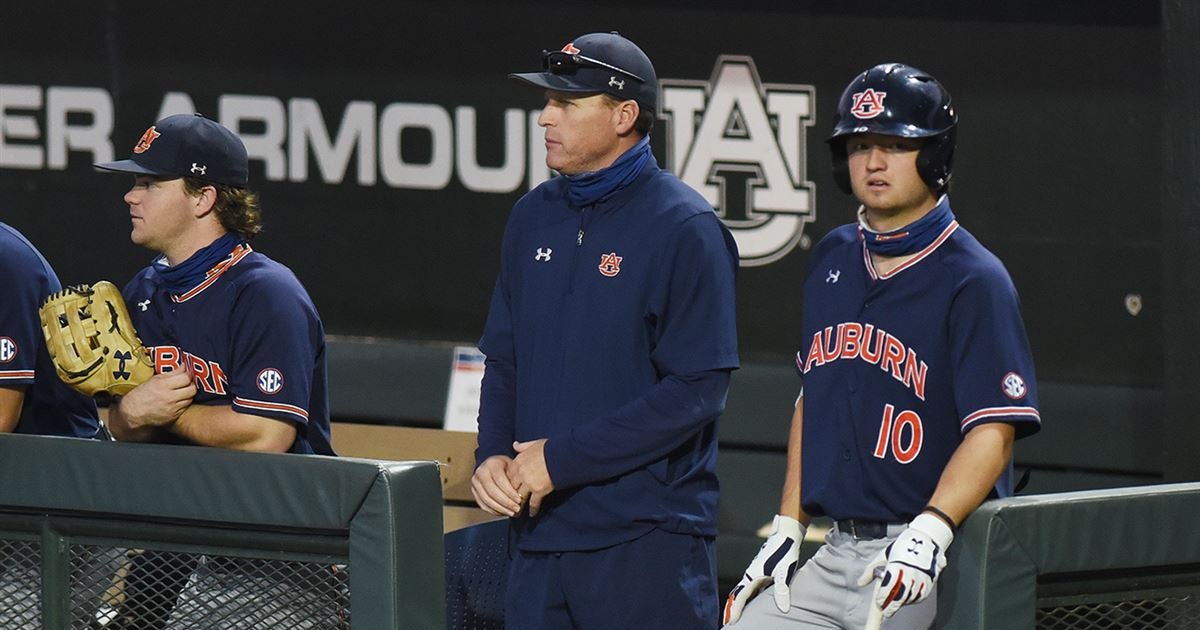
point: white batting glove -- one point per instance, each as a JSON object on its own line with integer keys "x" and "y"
{"x": 910, "y": 565}
{"x": 776, "y": 562}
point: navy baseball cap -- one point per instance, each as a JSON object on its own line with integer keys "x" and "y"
{"x": 599, "y": 62}
{"x": 187, "y": 145}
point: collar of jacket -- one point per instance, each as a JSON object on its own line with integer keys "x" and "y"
{"x": 624, "y": 195}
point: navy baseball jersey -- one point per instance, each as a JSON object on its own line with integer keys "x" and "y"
{"x": 899, "y": 367}
{"x": 251, "y": 337}
{"x": 50, "y": 407}
{"x": 598, "y": 314}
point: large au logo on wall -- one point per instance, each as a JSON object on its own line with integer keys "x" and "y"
{"x": 741, "y": 143}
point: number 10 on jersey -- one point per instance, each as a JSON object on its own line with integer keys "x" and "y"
{"x": 900, "y": 433}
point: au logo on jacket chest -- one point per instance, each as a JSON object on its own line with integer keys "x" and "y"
{"x": 610, "y": 264}
{"x": 741, "y": 143}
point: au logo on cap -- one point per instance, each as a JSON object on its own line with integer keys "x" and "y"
{"x": 868, "y": 104}
{"x": 570, "y": 48}
{"x": 147, "y": 139}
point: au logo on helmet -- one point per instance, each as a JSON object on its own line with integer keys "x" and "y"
{"x": 741, "y": 144}
{"x": 147, "y": 139}
{"x": 868, "y": 104}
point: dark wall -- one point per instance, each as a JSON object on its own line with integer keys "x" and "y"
{"x": 1057, "y": 169}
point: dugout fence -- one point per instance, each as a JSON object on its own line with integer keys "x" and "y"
{"x": 99, "y": 535}
{"x": 1124, "y": 559}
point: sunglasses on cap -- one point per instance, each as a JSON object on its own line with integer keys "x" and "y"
{"x": 562, "y": 62}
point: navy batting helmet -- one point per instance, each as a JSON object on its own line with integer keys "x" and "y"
{"x": 893, "y": 99}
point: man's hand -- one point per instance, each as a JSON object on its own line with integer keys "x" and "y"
{"x": 528, "y": 473}
{"x": 910, "y": 565}
{"x": 776, "y": 562}
{"x": 491, "y": 487}
{"x": 159, "y": 401}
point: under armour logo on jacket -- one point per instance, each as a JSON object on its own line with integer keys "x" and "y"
{"x": 199, "y": 170}
{"x": 144, "y": 305}
{"x": 613, "y": 82}
{"x": 833, "y": 276}
{"x": 543, "y": 254}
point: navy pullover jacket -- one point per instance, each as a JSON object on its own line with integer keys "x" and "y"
{"x": 612, "y": 333}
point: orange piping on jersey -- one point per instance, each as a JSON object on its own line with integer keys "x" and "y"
{"x": 235, "y": 256}
{"x": 992, "y": 412}
{"x": 918, "y": 257}
{"x": 270, "y": 406}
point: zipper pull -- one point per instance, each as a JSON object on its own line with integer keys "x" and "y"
{"x": 579, "y": 239}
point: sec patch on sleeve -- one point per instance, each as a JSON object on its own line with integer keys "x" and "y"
{"x": 8, "y": 350}
{"x": 270, "y": 381}
{"x": 1014, "y": 386}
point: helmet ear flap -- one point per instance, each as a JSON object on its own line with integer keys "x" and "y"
{"x": 936, "y": 160}
{"x": 841, "y": 164}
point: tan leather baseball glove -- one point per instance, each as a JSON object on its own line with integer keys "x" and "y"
{"x": 92, "y": 341}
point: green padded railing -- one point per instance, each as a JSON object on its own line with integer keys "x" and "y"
{"x": 1122, "y": 558}
{"x": 233, "y": 540}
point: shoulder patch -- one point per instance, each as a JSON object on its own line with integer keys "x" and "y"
{"x": 270, "y": 381}
{"x": 1014, "y": 386}
{"x": 8, "y": 350}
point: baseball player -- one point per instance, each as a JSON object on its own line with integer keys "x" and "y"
{"x": 917, "y": 378}
{"x": 238, "y": 348}
{"x": 609, "y": 344}
{"x": 32, "y": 397}
{"x": 237, "y": 345}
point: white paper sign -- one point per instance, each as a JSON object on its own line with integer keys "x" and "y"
{"x": 466, "y": 379}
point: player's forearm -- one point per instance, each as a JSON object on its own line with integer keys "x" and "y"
{"x": 221, "y": 426}
{"x": 11, "y": 400}
{"x": 973, "y": 470}
{"x": 789, "y": 502}
{"x": 642, "y": 431}
{"x": 124, "y": 429}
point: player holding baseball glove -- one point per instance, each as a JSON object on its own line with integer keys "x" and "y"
{"x": 917, "y": 378}
{"x": 235, "y": 347}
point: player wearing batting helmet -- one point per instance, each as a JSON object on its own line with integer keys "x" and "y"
{"x": 917, "y": 377}
{"x": 609, "y": 345}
